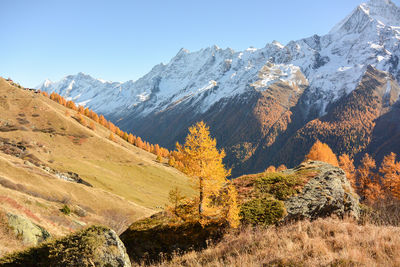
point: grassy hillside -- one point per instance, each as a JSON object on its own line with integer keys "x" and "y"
{"x": 38, "y": 140}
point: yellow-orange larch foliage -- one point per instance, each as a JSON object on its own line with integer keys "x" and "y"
{"x": 322, "y": 152}
{"x": 130, "y": 138}
{"x": 86, "y": 112}
{"x": 347, "y": 165}
{"x": 139, "y": 142}
{"x": 92, "y": 125}
{"x": 71, "y": 105}
{"x": 374, "y": 190}
{"x": 281, "y": 167}
{"x": 171, "y": 161}
{"x": 157, "y": 149}
{"x": 368, "y": 184}
{"x": 81, "y": 120}
{"x": 203, "y": 163}
{"x": 81, "y": 110}
{"x": 103, "y": 121}
{"x": 125, "y": 136}
{"x": 270, "y": 169}
{"x": 112, "y": 137}
{"x": 390, "y": 170}
{"x": 96, "y": 117}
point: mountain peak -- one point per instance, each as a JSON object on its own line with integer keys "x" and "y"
{"x": 381, "y": 11}
{"x": 384, "y": 11}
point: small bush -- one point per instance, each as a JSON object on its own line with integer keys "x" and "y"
{"x": 281, "y": 186}
{"x": 66, "y": 210}
{"x": 263, "y": 211}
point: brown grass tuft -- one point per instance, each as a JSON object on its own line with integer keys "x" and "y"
{"x": 324, "y": 242}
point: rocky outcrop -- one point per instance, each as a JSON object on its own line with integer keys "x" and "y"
{"x": 29, "y": 232}
{"x": 94, "y": 246}
{"x": 312, "y": 190}
{"x": 328, "y": 193}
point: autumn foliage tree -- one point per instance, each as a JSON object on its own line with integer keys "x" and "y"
{"x": 322, "y": 152}
{"x": 367, "y": 181}
{"x": 203, "y": 163}
{"x": 270, "y": 169}
{"x": 347, "y": 164}
{"x": 281, "y": 167}
{"x": 390, "y": 170}
{"x": 92, "y": 126}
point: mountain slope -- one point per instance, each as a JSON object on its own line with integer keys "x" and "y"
{"x": 350, "y": 123}
{"x": 41, "y": 147}
{"x": 216, "y": 84}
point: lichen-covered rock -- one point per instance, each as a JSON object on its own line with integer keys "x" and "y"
{"x": 29, "y": 232}
{"x": 328, "y": 193}
{"x": 94, "y": 246}
{"x": 158, "y": 237}
{"x": 313, "y": 189}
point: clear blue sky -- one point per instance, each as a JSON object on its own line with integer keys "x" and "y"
{"x": 122, "y": 40}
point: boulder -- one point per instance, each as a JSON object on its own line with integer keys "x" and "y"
{"x": 159, "y": 237}
{"x": 94, "y": 246}
{"x": 312, "y": 190}
{"x": 328, "y": 193}
{"x": 29, "y": 232}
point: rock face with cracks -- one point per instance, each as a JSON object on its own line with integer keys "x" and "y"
{"x": 328, "y": 193}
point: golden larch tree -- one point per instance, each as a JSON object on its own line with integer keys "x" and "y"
{"x": 81, "y": 109}
{"x": 130, "y": 138}
{"x": 203, "y": 163}
{"x": 281, "y": 167}
{"x": 171, "y": 161}
{"x": 322, "y": 152}
{"x": 112, "y": 137}
{"x": 347, "y": 164}
{"x": 92, "y": 125}
{"x": 270, "y": 169}
{"x": 390, "y": 170}
{"x": 365, "y": 175}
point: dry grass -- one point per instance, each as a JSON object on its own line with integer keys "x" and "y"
{"x": 62, "y": 143}
{"x": 35, "y": 129}
{"x": 324, "y": 242}
{"x": 117, "y": 220}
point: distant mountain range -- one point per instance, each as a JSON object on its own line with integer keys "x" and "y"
{"x": 267, "y": 106}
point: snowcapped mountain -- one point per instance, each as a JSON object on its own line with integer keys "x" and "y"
{"x": 317, "y": 71}
{"x": 332, "y": 64}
